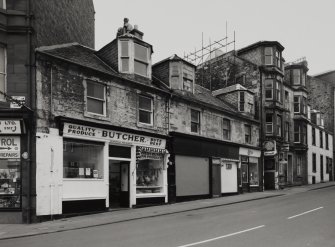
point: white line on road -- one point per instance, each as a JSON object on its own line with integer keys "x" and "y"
{"x": 224, "y": 236}
{"x": 304, "y": 213}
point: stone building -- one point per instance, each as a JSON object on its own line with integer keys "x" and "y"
{"x": 102, "y": 128}
{"x": 214, "y": 150}
{"x": 25, "y": 25}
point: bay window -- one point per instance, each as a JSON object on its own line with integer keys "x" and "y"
{"x": 269, "y": 124}
{"x": 268, "y": 89}
{"x": 2, "y": 71}
{"x": 268, "y": 56}
{"x": 279, "y": 125}
{"x": 296, "y": 104}
{"x": 296, "y": 77}
{"x": 145, "y": 110}
{"x": 278, "y": 91}
{"x": 96, "y": 98}
{"x": 278, "y": 59}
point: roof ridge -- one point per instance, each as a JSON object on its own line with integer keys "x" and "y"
{"x": 52, "y": 47}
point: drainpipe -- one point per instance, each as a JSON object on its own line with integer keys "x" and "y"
{"x": 261, "y": 121}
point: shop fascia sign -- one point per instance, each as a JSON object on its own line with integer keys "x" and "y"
{"x": 270, "y": 148}
{"x": 9, "y": 147}
{"x": 113, "y": 136}
{"x": 10, "y": 127}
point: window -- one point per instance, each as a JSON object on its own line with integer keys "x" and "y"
{"x": 96, "y": 98}
{"x": 321, "y": 164}
{"x": 304, "y": 105}
{"x": 296, "y": 104}
{"x": 287, "y": 100}
{"x": 241, "y": 102}
{"x": 124, "y": 56}
{"x": 2, "y": 71}
{"x": 314, "y": 163}
{"x": 321, "y": 139}
{"x": 327, "y": 141}
{"x": 287, "y": 131}
{"x": 2, "y": 4}
{"x": 195, "y": 121}
{"x": 268, "y": 88}
{"x": 269, "y": 124}
{"x": 279, "y": 125}
{"x": 240, "y": 79}
{"x": 296, "y": 76}
{"x": 313, "y": 136}
{"x": 247, "y": 131}
{"x": 226, "y": 129}
{"x": 296, "y": 132}
{"x": 10, "y": 183}
{"x": 244, "y": 169}
{"x": 141, "y": 60}
{"x": 145, "y": 110}
{"x": 187, "y": 84}
{"x": 268, "y": 56}
{"x": 299, "y": 164}
{"x": 278, "y": 59}
{"x": 303, "y": 79}
{"x": 83, "y": 159}
{"x": 278, "y": 91}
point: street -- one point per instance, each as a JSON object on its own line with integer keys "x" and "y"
{"x": 303, "y": 219}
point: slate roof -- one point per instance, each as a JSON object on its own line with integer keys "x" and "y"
{"x": 204, "y": 96}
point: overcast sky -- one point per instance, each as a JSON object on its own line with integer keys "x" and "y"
{"x": 305, "y": 28}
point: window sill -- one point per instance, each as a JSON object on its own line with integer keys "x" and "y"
{"x": 96, "y": 116}
{"x": 145, "y": 126}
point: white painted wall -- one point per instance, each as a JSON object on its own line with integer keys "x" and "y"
{"x": 318, "y": 151}
{"x": 49, "y": 173}
{"x": 229, "y": 177}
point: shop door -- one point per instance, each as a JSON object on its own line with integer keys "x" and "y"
{"x": 216, "y": 177}
{"x": 118, "y": 183}
{"x": 269, "y": 180}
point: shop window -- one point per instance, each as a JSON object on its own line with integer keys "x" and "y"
{"x": 321, "y": 139}
{"x": 247, "y": 133}
{"x": 269, "y": 124}
{"x": 296, "y": 104}
{"x": 195, "y": 121}
{"x": 296, "y": 133}
{"x": 241, "y": 101}
{"x": 145, "y": 110}
{"x": 268, "y": 56}
{"x": 141, "y": 59}
{"x": 287, "y": 131}
{"x": 149, "y": 172}
{"x": 244, "y": 169}
{"x": 10, "y": 184}
{"x": 96, "y": 98}
{"x": 313, "y": 136}
{"x": 268, "y": 89}
{"x": 314, "y": 162}
{"x": 226, "y": 129}
{"x": 124, "y": 56}
{"x": 253, "y": 171}
{"x": 83, "y": 159}
{"x": 3, "y": 61}
{"x": 296, "y": 76}
{"x": 327, "y": 141}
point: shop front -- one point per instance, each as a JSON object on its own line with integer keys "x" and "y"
{"x": 202, "y": 167}
{"x": 251, "y": 170}
{"x": 101, "y": 168}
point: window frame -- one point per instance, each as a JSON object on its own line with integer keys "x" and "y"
{"x": 198, "y": 124}
{"x": 270, "y": 55}
{"x": 278, "y": 58}
{"x": 125, "y": 57}
{"x": 151, "y": 111}
{"x": 278, "y": 91}
{"x": 104, "y": 105}
{"x": 298, "y": 103}
{"x": 139, "y": 60}
{"x": 267, "y": 88}
{"x": 247, "y": 138}
{"x": 228, "y": 130}
{"x": 4, "y": 73}
{"x": 268, "y": 124}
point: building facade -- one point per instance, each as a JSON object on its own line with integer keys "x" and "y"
{"x": 25, "y": 25}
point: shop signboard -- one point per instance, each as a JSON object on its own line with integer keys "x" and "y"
{"x": 270, "y": 148}
{"x": 10, "y": 127}
{"x": 9, "y": 147}
{"x": 113, "y": 136}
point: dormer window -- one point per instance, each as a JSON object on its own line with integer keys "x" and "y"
{"x": 268, "y": 56}
{"x": 241, "y": 102}
{"x": 134, "y": 58}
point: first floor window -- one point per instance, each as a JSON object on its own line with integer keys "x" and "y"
{"x": 2, "y": 4}
{"x": 83, "y": 159}
{"x": 2, "y": 70}
{"x": 269, "y": 124}
{"x": 195, "y": 121}
{"x": 145, "y": 110}
{"x": 247, "y": 131}
{"x": 314, "y": 162}
{"x": 96, "y": 98}
{"x": 226, "y": 129}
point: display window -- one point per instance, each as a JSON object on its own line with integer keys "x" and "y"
{"x": 149, "y": 170}
{"x": 249, "y": 170}
{"x": 253, "y": 173}
{"x": 10, "y": 184}
{"x": 83, "y": 159}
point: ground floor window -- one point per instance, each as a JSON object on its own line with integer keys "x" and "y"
{"x": 83, "y": 159}
{"x": 149, "y": 170}
{"x": 244, "y": 169}
{"x": 249, "y": 170}
{"x": 10, "y": 184}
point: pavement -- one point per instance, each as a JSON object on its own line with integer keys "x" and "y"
{"x": 9, "y": 231}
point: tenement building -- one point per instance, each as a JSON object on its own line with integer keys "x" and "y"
{"x": 25, "y": 25}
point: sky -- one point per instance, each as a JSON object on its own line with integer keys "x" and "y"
{"x": 306, "y": 28}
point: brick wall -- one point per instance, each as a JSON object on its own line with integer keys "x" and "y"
{"x": 63, "y": 21}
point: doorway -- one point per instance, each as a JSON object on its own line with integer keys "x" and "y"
{"x": 216, "y": 177}
{"x": 118, "y": 183}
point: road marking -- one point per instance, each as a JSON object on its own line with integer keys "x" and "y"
{"x": 309, "y": 211}
{"x": 224, "y": 236}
